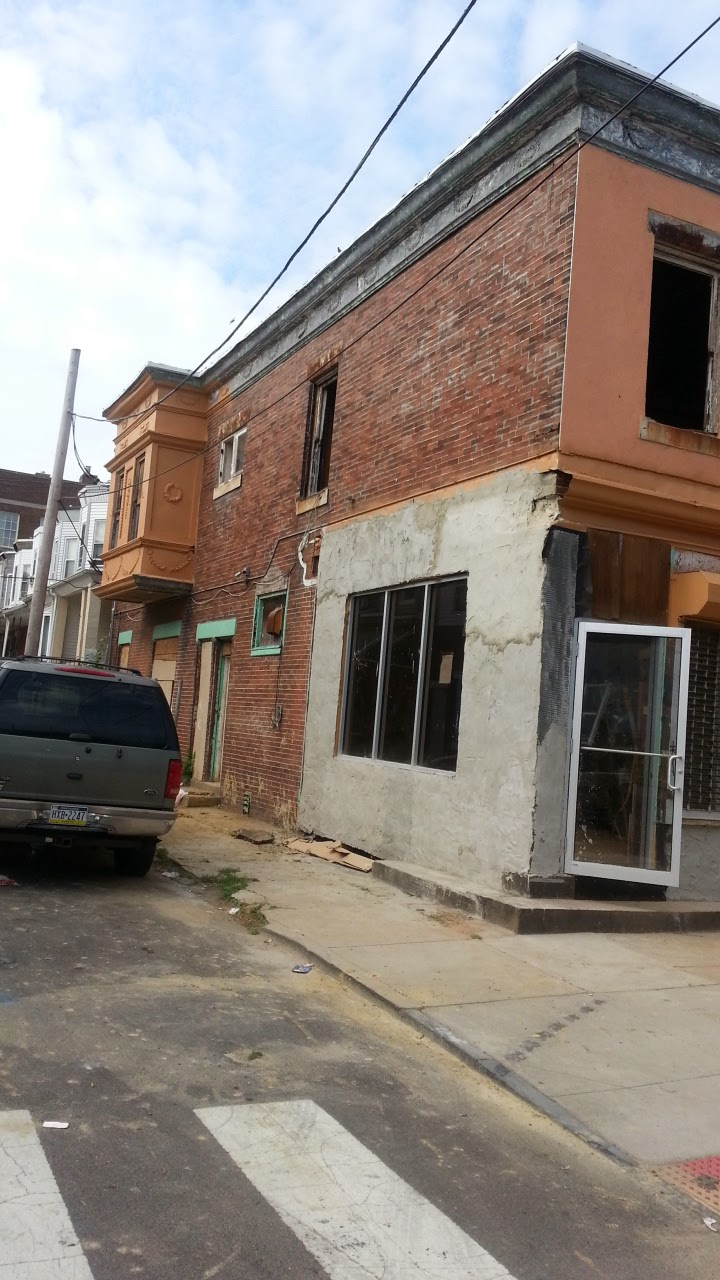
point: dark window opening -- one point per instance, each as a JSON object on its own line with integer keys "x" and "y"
{"x": 117, "y": 508}
{"x": 408, "y": 644}
{"x": 702, "y": 749}
{"x": 136, "y": 499}
{"x": 679, "y": 355}
{"x": 321, "y": 422}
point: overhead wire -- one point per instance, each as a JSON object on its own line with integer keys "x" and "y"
{"x": 554, "y": 168}
{"x": 317, "y": 223}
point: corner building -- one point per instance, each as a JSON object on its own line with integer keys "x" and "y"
{"x": 430, "y": 562}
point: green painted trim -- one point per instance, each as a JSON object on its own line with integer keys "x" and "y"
{"x": 266, "y": 650}
{"x": 167, "y": 630}
{"x": 221, "y": 629}
{"x": 125, "y": 637}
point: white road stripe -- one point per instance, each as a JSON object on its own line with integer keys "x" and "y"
{"x": 37, "y": 1240}
{"x": 351, "y": 1212}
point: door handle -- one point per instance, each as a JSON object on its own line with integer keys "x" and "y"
{"x": 75, "y": 777}
{"x": 678, "y": 763}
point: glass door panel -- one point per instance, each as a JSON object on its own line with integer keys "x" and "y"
{"x": 625, "y": 795}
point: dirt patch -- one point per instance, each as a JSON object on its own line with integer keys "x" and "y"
{"x": 460, "y": 924}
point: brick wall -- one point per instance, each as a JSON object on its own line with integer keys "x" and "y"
{"x": 464, "y": 379}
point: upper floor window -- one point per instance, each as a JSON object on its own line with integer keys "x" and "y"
{"x": 681, "y": 349}
{"x": 136, "y": 498}
{"x": 117, "y": 507}
{"x": 321, "y": 419}
{"x": 403, "y": 683}
{"x": 8, "y": 529}
{"x": 232, "y": 456}
{"x": 98, "y": 539}
{"x": 269, "y": 623}
{"x": 71, "y": 557}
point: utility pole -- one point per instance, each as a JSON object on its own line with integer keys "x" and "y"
{"x": 42, "y": 569}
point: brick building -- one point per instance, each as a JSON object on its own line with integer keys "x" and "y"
{"x": 473, "y": 459}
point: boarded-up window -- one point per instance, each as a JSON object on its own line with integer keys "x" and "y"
{"x": 702, "y": 762}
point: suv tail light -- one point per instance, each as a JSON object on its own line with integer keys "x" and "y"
{"x": 174, "y": 778}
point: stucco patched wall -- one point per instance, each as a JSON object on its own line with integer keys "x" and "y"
{"x": 477, "y": 822}
{"x": 699, "y": 861}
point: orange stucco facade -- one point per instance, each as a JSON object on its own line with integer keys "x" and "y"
{"x": 169, "y": 438}
{"x": 628, "y": 474}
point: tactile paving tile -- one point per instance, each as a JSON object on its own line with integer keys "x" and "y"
{"x": 697, "y": 1178}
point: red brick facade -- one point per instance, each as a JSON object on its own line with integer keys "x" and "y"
{"x": 464, "y": 379}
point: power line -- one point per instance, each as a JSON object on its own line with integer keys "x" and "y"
{"x": 318, "y": 221}
{"x": 91, "y": 561}
{"x": 526, "y": 195}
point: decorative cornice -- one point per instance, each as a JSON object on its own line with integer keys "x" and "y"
{"x": 666, "y": 129}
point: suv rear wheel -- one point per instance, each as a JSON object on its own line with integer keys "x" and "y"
{"x": 135, "y": 861}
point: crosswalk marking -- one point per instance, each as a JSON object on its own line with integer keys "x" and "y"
{"x": 351, "y": 1212}
{"x": 37, "y": 1239}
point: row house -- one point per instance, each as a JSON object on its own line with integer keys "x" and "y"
{"x": 23, "y": 498}
{"x": 430, "y": 561}
{"x": 75, "y": 623}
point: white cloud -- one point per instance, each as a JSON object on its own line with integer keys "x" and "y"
{"x": 162, "y": 157}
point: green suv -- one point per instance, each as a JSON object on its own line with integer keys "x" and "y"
{"x": 89, "y": 756}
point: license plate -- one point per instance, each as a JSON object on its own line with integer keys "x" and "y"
{"x": 68, "y": 815}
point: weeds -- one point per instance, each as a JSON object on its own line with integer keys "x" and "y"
{"x": 228, "y": 881}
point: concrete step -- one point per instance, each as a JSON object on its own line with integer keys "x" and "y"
{"x": 548, "y": 915}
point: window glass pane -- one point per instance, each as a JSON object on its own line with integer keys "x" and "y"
{"x": 365, "y": 642}
{"x": 42, "y": 705}
{"x": 8, "y": 529}
{"x": 443, "y": 676}
{"x": 98, "y": 539}
{"x": 401, "y": 674}
{"x": 225, "y": 461}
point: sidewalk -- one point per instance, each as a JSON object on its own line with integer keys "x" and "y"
{"x": 615, "y": 1036}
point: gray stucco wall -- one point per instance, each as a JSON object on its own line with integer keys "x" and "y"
{"x": 699, "y": 861}
{"x": 477, "y": 822}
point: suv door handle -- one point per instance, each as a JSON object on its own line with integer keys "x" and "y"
{"x": 75, "y": 777}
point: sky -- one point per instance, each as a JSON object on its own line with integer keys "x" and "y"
{"x": 162, "y": 158}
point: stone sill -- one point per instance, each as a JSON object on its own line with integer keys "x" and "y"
{"x": 309, "y": 504}
{"x": 228, "y": 486}
{"x": 680, "y": 438}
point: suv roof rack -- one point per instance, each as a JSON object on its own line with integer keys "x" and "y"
{"x": 75, "y": 662}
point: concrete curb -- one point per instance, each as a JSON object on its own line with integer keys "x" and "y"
{"x": 468, "y": 1053}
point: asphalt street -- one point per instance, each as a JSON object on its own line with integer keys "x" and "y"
{"x": 228, "y": 1117}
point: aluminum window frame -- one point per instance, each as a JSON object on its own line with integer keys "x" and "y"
{"x": 374, "y": 758}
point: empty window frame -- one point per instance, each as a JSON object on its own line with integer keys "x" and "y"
{"x": 683, "y": 327}
{"x": 269, "y": 623}
{"x": 232, "y": 456}
{"x": 321, "y": 419}
{"x": 136, "y": 498}
{"x": 403, "y": 683}
{"x": 117, "y": 507}
{"x": 8, "y": 529}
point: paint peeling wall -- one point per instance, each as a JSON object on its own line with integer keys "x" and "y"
{"x": 478, "y": 821}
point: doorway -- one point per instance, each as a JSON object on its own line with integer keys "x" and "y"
{"x": 219, "y": 709}
{"x": 627, "y": 752}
